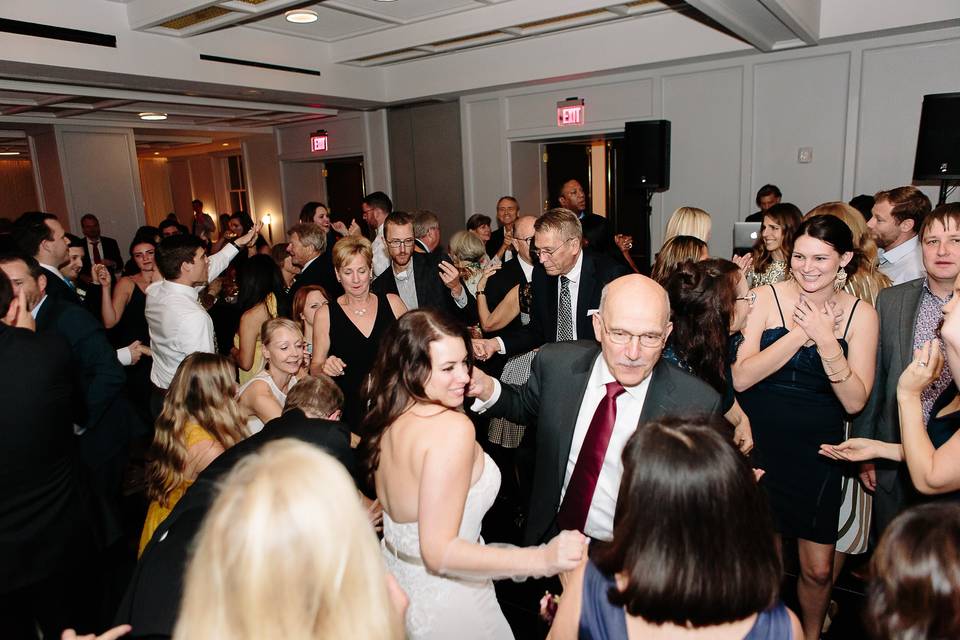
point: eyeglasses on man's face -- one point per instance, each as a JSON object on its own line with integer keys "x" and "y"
{"x": 405, "y": 242}
{"x": 540, "y": 253}
{"x": 619, "y": 336}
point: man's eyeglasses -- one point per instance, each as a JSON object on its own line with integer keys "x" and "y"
{"x": 396, "y": 244}
{"x": 539, "y": 253}
{"x": 751, "y": 298}
{"x": 618, "y": 336}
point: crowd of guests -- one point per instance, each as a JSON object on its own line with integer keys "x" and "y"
{"x": 325, "y": 468}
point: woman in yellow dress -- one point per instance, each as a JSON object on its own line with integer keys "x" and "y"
{"x": 200, "y": 419}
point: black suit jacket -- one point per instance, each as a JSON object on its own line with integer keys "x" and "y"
{"x": 320, "y": 272}
{"x": 597, "y": 271}
{"x": 104, "y": 412}
{"x": 152, "y": 599}
{"x": 495, "y": 242}
{"x": 57, "y": 288}
{"x": 431, "y": 292}
{"x": 109, "y": 250}
{"x": 550, "y": 402}
{"x": 44, "y": 510}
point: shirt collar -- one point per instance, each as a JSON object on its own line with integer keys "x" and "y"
{"x": 309, "y": 262}
{"x": 54, "y": 271}
{"x": 601, "y": 375}
{"x": 927, "y": 289}
{"x": 36, "y": 309}
{"x": 574, "y": 275}
{"x": 901, "y": 251}
{"x": 185, "y": 289}
{"x": 526, "y": 267}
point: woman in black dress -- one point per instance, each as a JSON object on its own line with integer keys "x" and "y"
{"x": 799, "y": 372}
{"x": 347, "y": 333}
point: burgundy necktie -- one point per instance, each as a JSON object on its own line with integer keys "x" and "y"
{"x": 586, "y": 472}
{"x": 97, "y": 258}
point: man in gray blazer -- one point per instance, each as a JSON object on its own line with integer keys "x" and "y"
{"x": 585, "y": 400}
{"x": 910, "y": 314}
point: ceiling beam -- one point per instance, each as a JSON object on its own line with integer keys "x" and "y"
{"x": 802, "y": 17}
{"x": 99, "y": 106}
{"x": 494, "y": 17}
{"x": 751, "y": 20}
{"x": 45, "y": 102}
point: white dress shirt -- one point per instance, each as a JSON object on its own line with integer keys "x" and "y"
{"x": 178, "y": 323}
{"x": 381, "y": 259}
{"x": 904, "y": 262}
{"x": 629, "y": 406}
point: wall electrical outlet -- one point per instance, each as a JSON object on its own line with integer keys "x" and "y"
{"x": 805, "y": 155}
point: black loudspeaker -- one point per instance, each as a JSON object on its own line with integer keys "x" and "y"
{"x": 647, "y": 162}
{"x": 938, "y": 145}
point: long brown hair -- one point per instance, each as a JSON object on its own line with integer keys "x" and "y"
{"x": 674, "y": 251}
{"x": 400, "y": 374}
{"x": 202, "y": 392}
{"x": 788, "y": 216}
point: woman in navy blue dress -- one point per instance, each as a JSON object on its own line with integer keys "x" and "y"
{"x": 806, "y": 362}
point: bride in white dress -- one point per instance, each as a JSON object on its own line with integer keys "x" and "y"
{"x": 435, "y": 484}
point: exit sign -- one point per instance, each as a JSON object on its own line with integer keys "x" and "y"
{"x": 570, "y": 112}
{"x": 318, "y": 142}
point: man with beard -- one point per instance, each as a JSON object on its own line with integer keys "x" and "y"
{"x": 897, "y": 217}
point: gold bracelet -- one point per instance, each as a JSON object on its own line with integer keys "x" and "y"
{"x": 831, "y": 358}
{"x": 844, "y": 378}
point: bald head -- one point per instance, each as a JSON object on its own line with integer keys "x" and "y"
{"x": 632, "y": 326}
{"x": 523, "y": 228}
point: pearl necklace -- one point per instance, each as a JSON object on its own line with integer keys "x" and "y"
{"x": 361, "y": 311}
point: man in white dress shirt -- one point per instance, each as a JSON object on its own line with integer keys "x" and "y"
{"x": 585, "y": 400}
{"x": 178, "y": 323}
{"x": 376, "y": 207}
{"x": 897, "y": 217}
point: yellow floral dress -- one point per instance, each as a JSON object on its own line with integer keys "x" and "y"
{"x": 157, "y": 512}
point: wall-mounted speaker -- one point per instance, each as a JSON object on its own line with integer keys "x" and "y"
{"x": 647, "y": 161}
{"x": 938, "y": 145}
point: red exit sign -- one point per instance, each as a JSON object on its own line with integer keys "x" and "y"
{"x": 570, "y": 113}
{"x": 318, "y": 142}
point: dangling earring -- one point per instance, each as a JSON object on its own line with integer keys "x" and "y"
{"x": 841, "y": 280}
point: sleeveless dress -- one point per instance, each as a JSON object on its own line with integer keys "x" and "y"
{"x": 601, "y": 620}
{"x": 792, "y": 411}
{"x": 133, "y": 326}
{"x": 358, "y": 351}
{"x": 257, "y": 367}
{"x": 447, "y": 607}
{"x": 254, "y": 423}
{"x": 941, "y": 428}
{"x": 157, "y": 512}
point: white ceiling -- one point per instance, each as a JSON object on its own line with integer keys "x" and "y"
{"x": 239, "y": 66}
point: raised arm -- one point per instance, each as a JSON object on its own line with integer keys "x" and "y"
{"x": 444, "y": 483}
{"x": 753, "y": 365}
{"x": 506, "y": 311}
{"x": 113, "y": 300}
{"x": 933, "y": 471}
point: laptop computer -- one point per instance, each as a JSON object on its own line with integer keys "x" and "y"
{"x": 745, "y": 235}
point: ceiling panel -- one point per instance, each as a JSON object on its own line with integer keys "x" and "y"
{"x": 407, "y": 10}
{"x": 332, "y": 24}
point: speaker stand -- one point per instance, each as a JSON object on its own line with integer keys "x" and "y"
{"x": 945, "y": 190}
{"x": 646, "y": 195}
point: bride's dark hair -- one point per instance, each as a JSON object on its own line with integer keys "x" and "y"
{"x": 400, "y": 373}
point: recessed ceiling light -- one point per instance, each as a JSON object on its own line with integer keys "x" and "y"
{"x": 153, "y": 115}
{"x": 156, "y": 153}
{"x": 301, "y": 16}
{"x": 224, "y": 144}
{"x": 9, "y": 153}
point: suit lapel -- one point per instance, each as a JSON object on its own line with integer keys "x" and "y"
{"x": 658, "y": 399}
{"x": 579, "y": 377}
{"x": 909, "y": 312}
{"x": 584, "y": 296}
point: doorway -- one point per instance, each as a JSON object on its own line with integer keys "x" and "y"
{"x": 597, "y": 164}
{"x": 345, "y": 189}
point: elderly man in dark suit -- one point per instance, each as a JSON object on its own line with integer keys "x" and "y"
{"x": 566, "y": 287}
{"x": 421, "y": 280}
{"x": 46, "y": 532}
{"x": 910, "y": 314}
{"x": 153, "y": 597}
{"x": 585, "y": 400}
{"x": 309, "y": 251}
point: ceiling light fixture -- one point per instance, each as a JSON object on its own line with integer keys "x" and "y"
{"x": 224, "y": 144}
{"x": 9, "y": 153}
{"x": 301, "y": 16}
{"x": 152, "y": 115}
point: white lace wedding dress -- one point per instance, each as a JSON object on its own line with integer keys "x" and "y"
{"x": 444, "y": 607}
